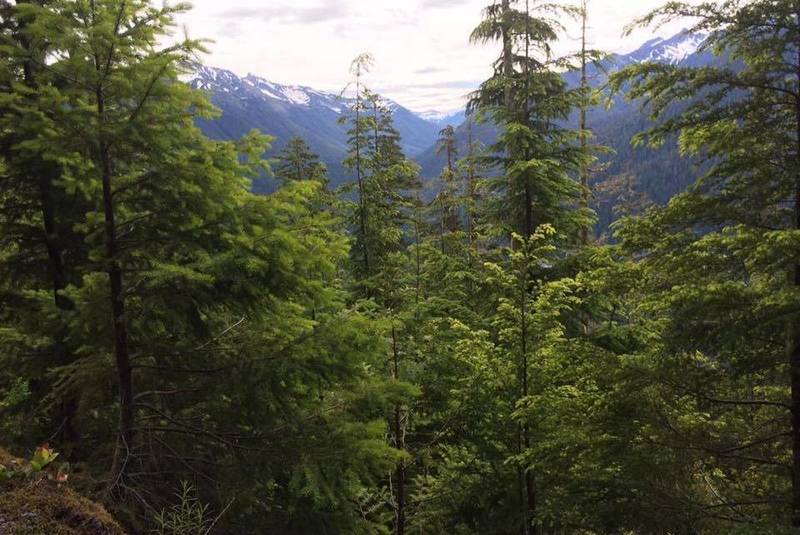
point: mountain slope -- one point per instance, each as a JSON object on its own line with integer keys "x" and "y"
{"x": 288, "y": 111}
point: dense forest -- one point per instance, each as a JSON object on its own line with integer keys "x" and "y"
{"x": 367, "y": 359}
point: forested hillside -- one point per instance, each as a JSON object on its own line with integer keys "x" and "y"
{"x": 661, "y": 172}
{"x": 465, "y": 354}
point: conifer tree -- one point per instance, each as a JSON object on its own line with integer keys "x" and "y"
{"x": 742, "y": 119}
{"x": 584, "y": 170}
{"x": 529, "y": 101}
{"x": 385, "y": 181}
{"x": 116, "y": 89}
{"x": 358, "y": 132}
{"x": 298, "y": 162}
{"x": 470, "y": 167}
{"x": 447, "y": 198}
{"x": 37, "y": 226}
{"x": 239, "y": 337}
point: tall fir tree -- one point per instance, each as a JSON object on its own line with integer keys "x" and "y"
{"x": 742, "y": 118}
{"x": 529, "y": 102}
{"x": 447, "y": 199}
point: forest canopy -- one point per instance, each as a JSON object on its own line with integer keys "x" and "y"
{"x": 379, "y": 359}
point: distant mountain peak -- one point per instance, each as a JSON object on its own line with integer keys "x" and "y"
{"x": 672, "y": 50}
{"x": 433, "y": 115}
{"x": 293, "y": 94}
{"x": 222, "y": 81}
{"x": 442, "y": 119}
{"x": 286, "y": 111}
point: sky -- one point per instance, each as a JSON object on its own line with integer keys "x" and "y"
{"x": 423, "y": 58}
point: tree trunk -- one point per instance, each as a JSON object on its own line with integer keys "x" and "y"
{"x": 69, "y": 433}
{"x": 362, "y": 216}
{"x": 400, "y": 472}
{"x": 794, "y": 353}
{"x": 530, "y": 482}
{"x": 584, "y": 141}
{"x": 508, "y": 54}
{"x": 469, "y": 176}
{"x": 124, "y": 443}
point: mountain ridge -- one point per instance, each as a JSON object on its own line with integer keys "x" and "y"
{"x": 286, "y": 111}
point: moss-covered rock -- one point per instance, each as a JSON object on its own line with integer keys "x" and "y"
{"x": 42, "y": 507}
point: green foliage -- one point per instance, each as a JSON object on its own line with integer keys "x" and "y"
{"x": 39, "y": 467}
{"x": 239, "y": 332}
{"x": 297, "y": 162}
{"x": 42, "y": 458}
{"x": 187, "y": 517}
{"x": 372, "y": 364}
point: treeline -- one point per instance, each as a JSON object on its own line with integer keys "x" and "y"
{"x": 364, "y": 362}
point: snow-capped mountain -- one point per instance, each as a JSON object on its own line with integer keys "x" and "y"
{"x": 673, "y": 50}
{"x": 224, "y": 81}
{"x": 286, "y": 111}
{"x": 663, "y": 171}
{"x": 443, "y": 118}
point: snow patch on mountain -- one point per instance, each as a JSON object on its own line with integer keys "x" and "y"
{"x": 442, "y": 119}
{"x": 224, "y": 81}
{"x": 673, "y": 50}
{"x": 678, "y": 51}
{"x": 296, "y": 95}
{"x": 433, "y": 115}
{"x": 292, "y": 94}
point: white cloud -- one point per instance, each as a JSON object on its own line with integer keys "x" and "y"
{"x": 422, "y": 51}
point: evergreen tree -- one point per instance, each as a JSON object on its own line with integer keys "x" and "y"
{"x": 447, "y": 199}
{"x": 357, "y": 140}
{"x": 34, "y": 212}
{"x": 529, "y": 101}
{"x": 217, "y": 315}
{"x": 384, "y": 208}
{"x": 727, "y": 245}
{"x": 298, "y": 162}
{"x": 584, "y": 169}
{"x": 384, "y": 180}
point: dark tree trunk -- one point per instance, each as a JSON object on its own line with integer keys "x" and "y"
{"x": 400, "y": 472}
{"x": 469, "y": 177}
{"x": 530, "y": 482}
{"x": 794, "y": 353}
{"x": 508, "y": 54}
{"x": 124, "y": 444}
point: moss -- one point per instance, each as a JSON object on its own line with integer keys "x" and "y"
{"x": 7, "y": 459}
{"x": 42, "y": 507}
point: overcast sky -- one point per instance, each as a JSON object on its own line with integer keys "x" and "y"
{"x": 423, "y": 57}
